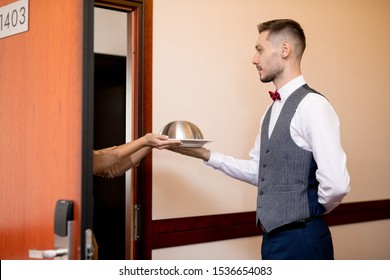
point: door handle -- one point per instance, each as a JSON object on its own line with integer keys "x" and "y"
{"x": 63, "y": 234}
{"x": 47, "y": 254}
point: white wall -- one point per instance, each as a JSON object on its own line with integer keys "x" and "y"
{"x": 202, "y": 72}
{"x": 110, "y": 32}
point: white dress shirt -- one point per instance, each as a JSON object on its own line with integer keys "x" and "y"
{"x": 314, "y": 127}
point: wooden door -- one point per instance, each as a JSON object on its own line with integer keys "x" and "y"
{"x": 41, "y": 104}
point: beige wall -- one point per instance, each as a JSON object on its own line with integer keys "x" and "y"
{"x": 363, "y": 241}
{"x": 202, "y": 72}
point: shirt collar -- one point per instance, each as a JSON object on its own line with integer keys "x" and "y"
{"x": 286, "y": 90}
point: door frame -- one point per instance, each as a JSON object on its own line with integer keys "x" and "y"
{"x": 140, "y": 247}
{"x": 87, "y": 126}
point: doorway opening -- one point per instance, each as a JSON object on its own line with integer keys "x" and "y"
{"x": 110, "y": 130}
{"x": 137, "y": 121}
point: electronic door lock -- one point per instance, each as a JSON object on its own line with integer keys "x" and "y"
{"x": 63, "y": 233}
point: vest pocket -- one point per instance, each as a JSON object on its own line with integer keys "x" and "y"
{"x": 283, "y": 204}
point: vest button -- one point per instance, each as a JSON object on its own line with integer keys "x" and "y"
{"x": 261, "y": 192}
{"x": 264, "y": 165}
{"x": 262, "y": 179}
{"x": 266, "y": 151}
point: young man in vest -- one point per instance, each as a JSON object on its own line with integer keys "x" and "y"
{"x": 297, "y": 161}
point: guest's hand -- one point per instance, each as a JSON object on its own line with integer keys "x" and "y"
{"x": 160, "y": 142}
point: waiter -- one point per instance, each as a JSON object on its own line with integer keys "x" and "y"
{"x": 297, "y": 162}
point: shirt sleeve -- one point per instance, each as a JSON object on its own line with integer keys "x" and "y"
{"x": 318, "y": 125}
{"x": 107, "y": 163}
{"x": 241, "y": 169}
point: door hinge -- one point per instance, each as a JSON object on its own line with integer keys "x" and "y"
{"x": 137, "y": 222}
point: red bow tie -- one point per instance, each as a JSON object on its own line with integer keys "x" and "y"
{"x": 274, "y": 95}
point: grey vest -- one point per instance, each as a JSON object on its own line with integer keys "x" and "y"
{"x": 287, "y": 190}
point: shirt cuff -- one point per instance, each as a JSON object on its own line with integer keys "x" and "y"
{"x": 215, "y": 160}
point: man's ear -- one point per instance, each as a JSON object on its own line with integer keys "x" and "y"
{"x": 285, "y": 49}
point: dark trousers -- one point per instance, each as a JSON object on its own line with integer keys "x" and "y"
{"x": 309, "y": 240}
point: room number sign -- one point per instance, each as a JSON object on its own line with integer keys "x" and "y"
{"x": 14, "y": 18}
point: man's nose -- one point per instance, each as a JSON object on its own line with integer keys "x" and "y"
{"x": 255, "y": 59}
